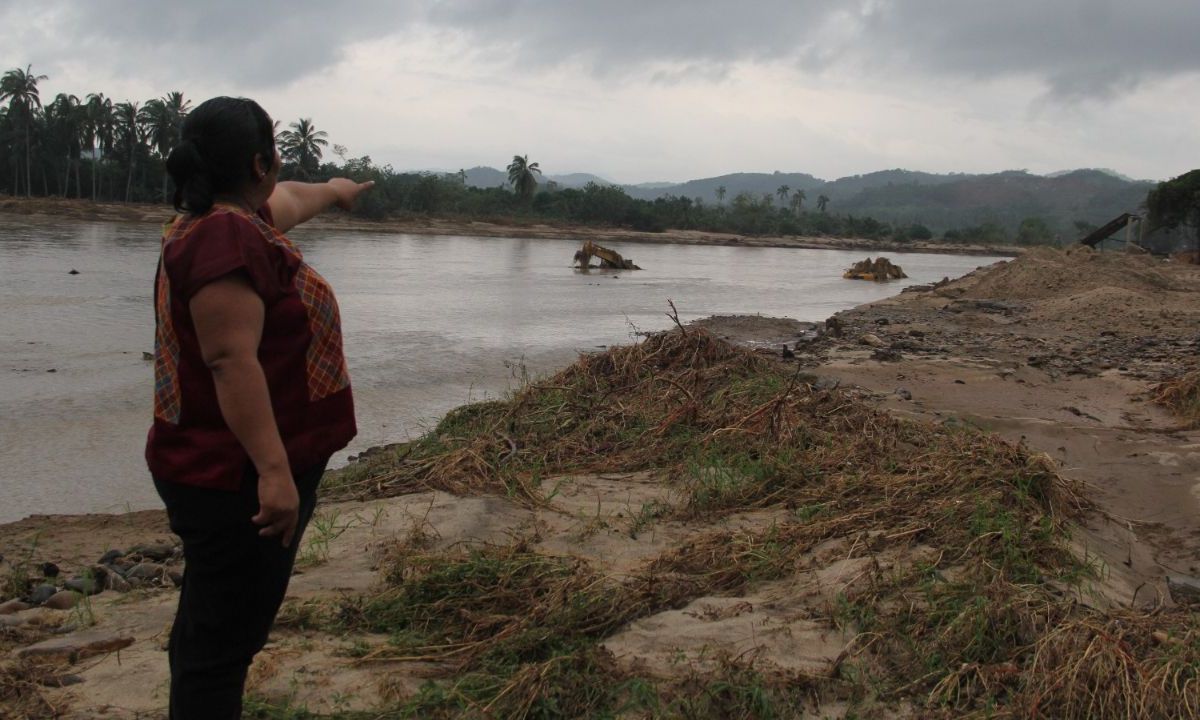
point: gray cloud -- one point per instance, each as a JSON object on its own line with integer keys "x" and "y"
{"x": 1075, "y": 48}
{"x": 246, "y": 43}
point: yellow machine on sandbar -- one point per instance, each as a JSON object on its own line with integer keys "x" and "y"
{"x": 609, "y": 259}
{"x": 879, "y": 270}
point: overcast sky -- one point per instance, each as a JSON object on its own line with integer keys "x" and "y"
{"x": 646, "y": 90}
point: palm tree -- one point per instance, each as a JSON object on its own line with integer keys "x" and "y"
{"x": 822, "y": 202}
{"x": 130, "y": 124}
{"x": 720, "y": 194}
{"x": 65, "y": 122}
{"x": 522, "y": 175}
{"x": 799, "y": 199}
{"x": 20, "y": 88}
{"x": 782, "y": 192}
{"x": 101, "y": 128}
{"x": 302, "y": 146}
{"x": 164, "y": 121}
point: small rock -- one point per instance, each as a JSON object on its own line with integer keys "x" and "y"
{"x": 787, "y": 354}
{"x": 903, "y": 394}
{"x": 59, "y": 681}
{"x": 121, "y": 565}
{"x": 85, "y": 585}
{"x": 176, "y": 577}
{"x": 73, "y": 272}
{"x": 872, "y": 340}
{"x": 109, "y": 557}
{"x": 916, "y": 333}
{"x": 13, "y": 606}
{"x": 147, "y": 356}
{"x": 882, "y": 321}
{"x": 960, "y": 382}
{"x": 145, "y": 571}
{"x": 116, "y": 583}
{"x": 886, "y": 355}
{"x": 50, "y": 570}
{"x": 76, "y": 647}
{"x": 63, "y": 600}
{"x": 827, "y": 383}
{"x": 158, "y": 552}
{"x": 1184, "y": 590}
{"x": 42, "y": 593}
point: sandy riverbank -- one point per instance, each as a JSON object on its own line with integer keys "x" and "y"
{"x": 157, "y": 214}
{"x": 954, "y": 501}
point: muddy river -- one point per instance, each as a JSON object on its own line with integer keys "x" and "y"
{"x": 430, "y": 323}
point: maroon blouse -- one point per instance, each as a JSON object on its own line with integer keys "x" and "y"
{"x": 301, "y": 351}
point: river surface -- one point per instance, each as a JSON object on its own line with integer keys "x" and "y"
{"x": 430, "y": 323}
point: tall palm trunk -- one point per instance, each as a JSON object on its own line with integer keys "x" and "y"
{"x": 129, "y": 179}
{"x": 28, "y": 172}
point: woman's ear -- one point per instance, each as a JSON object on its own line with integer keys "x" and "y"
{"x": 261, "y": 167}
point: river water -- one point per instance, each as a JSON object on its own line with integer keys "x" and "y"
{"x": 430, "y": 323}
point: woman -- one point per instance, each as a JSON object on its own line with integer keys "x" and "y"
{"x": 251, "y": 393}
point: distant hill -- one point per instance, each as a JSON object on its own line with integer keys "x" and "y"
{"x": 1005, "y": 198}
{"x": 846, "y": 188}
{"x": 578, "y": 180}
{"x": 904, "y": 197}
{"x": 487, "y": 177}
{"x": 706, "y": 188}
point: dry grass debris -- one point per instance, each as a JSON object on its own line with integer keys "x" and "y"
{"x": 989, "y": 615}
{"x": 1182, "y": 397}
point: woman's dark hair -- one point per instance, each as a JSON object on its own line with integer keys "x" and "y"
{"x": 215, "y": 155}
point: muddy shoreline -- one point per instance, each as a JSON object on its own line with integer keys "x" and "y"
{"x": 1056, "y": 353}
{"x": 157, "y": 214}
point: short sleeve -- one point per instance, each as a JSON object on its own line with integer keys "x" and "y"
{"x": 220, "y": 244}
{"x": 265, "y": 213}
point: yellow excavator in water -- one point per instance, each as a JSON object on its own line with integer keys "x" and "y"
{"x": 609, "y": 259}
{"x": 880, "y": 269}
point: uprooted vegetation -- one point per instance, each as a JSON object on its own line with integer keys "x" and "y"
{"x": 967, "y": 600}
{"x": 1181, "y": 396}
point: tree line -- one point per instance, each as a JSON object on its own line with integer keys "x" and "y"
{"x": 95, "y": 148}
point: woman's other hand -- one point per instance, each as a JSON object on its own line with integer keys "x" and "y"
{"x": 347, "y": 191}
{"x": 278, "y": 506}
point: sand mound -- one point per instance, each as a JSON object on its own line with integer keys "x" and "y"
{"x": 1106, "y": 302}
{"x": 1046, "y": 272}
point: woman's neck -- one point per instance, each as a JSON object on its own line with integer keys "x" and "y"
{"x": 239, "y": 201}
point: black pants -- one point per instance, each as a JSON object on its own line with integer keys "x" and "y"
{"x": 233, "y": 584}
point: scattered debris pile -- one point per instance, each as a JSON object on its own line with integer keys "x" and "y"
{"x": 879, "y": 270}
{"x": 967, "y": 599}
{"x": 1181, "y": 396}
